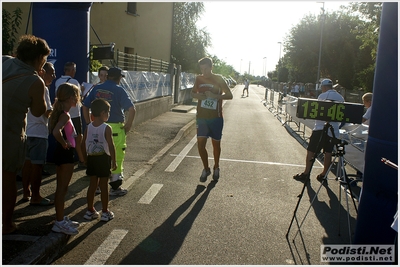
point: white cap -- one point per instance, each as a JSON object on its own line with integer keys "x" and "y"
{"x": 326, "y": 82}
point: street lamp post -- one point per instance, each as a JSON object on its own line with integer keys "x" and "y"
{"x": 264, "y": 66}
{"x": 320, "y": 43}
{"x": 279, "y": 61}
{"x": 249, "y": 67}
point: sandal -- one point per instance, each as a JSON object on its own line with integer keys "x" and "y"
{"x": 43, "y": 202}
{"x": 300, "y": 176}
{"x": 26, "y": 199}
{"x": 320, "y": 177}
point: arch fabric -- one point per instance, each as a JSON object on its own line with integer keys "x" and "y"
{"x": 65, "y": 27}
{"x": 378, "y": 203}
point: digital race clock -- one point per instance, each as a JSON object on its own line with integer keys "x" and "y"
{"x": 314, "y": 109}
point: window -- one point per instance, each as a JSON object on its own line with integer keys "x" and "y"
{"x": 132, "y": 8}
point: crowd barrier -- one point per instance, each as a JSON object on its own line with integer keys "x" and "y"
{"x": 284, "y": 107}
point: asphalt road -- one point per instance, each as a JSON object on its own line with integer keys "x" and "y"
{"x": 169, "y": 217}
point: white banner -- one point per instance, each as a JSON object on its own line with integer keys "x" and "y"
{"x": 187, "y": 80}
{"x": 142, "y": 85}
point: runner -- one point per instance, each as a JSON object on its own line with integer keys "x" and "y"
{"x": 210, "y": 89}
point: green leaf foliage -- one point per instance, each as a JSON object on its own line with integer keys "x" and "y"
{"x": 11, "y": 25}
{"x": 349, "y": 43}
{"x": 188, "y": 42}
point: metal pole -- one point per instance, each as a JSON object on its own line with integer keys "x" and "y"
{"x": 320, "y": 42}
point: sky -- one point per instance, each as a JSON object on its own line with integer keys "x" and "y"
{"x": 245, "y": 34}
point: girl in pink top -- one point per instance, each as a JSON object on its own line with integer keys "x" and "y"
{"x": 60, "y": 125}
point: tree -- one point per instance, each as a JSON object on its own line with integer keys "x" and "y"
{"x": 95, "y": 65}
{"x": 368, "y": 34}
{"x": 11, "y": 25}
{"x": 188, "y": 43}
{"x": 221, "y": 67}
{"x": 346, "y": 50}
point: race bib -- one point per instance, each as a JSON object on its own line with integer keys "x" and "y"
{"x": 209, "y": 103}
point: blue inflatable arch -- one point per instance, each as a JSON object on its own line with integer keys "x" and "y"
{"x": 378, "y": 203}
{"x": 65, "y": 27}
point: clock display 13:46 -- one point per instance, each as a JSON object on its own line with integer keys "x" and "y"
{"x": 313, "y": 110}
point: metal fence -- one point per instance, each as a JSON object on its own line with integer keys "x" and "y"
{"x": 132, "y": 62}
{"x": 310, "y": 91}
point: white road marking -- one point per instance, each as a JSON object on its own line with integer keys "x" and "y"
{"x": 252, "y": 161}
{"x": 150, "y": 194}
{"x": 175, "y": 163}
{"x": 100, "y": 256}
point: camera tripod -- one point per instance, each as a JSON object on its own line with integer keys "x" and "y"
{"x": 341, "y": 176}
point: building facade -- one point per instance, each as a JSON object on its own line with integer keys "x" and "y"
{"x": 143, "y": 28}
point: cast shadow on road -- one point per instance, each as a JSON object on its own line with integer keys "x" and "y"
{"x": 336, "y": 227}
{"x": 38, "y": 220}
{"x": 161, "y": 246}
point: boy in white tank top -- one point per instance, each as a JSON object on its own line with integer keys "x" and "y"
{"x": 99, "y": 152}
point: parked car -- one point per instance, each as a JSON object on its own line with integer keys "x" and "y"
{"x": 233, "y": 82}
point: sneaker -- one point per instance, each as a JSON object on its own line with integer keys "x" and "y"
{"x": 64, "y": 227}
{"x": 106, "y": 216}
{"x": 90, "y": 215}
{"x": 71, "y": 223}
{"x": 216, "y": 174}
{"x": 118, "y": 192}
{"x": 204, "y": 175}
{"x": 98, "y": 191}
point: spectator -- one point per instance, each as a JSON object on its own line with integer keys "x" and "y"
{"x": 62, "y": 128}
{"x": 283, "y": 93}
{"x": 22, "y": 89}
{"x": 120, "y": 101}
{"x": 75, "y": 112}
{"x": 37, "y": 144}
{"x": 102, "y": 73}
{"x": 210, "y": 89}
{"x": 296, "y": 90}
{"x": 319, "y": 139}
{"x": 302, "y": 90}
{"x": 100, "y": 151}
{"x": 367, "y": 101}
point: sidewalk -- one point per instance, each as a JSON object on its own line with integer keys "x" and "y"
{"x": 35, "y": 243}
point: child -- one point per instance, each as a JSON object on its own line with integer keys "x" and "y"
{"x": 60, "y": 125}
{"x": 367, "y": 101}
{"x": 100, "y": 151}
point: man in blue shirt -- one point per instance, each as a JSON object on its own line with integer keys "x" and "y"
{"x": 120, "y": 101}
